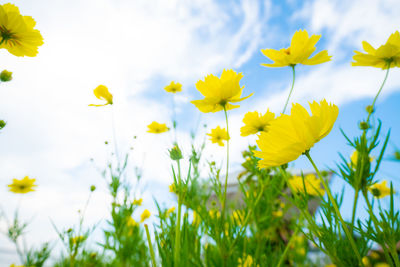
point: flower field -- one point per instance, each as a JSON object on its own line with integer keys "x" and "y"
{"x": 264, "y": 213}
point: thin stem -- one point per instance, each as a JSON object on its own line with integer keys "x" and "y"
{"x": 292, "y": 238}
{"x": 227, "y": 165}
{"x": 178, "y": 222}
{"x": 174, "y": 123}
{"x": 291, "y": 89}
{"x": 153, "y": 257}
{"x": 353, "y": 216}
{"x": 114, "y": 135}
{"x": 335, "y": 207}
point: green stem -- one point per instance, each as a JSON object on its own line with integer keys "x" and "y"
{"x": 178, "y": 222}
{"x": 353, "y": 216}
{"x": 291, "y": 89}
{"x": 292, "y": 238}
{"x": 335, "y": 207}
{"x": 153, "y": 257}
{"x": 114, "y": 136}
{"x": 227, "y": 166}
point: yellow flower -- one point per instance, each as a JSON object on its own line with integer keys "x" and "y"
{"x": 289, "y": 136}
{"x": 218, "y": 135}
{"x": 131, "y": 222}
{"x": 238, "y": 216}
{"x": 170, "y": 210}
{"x": 138, "y": 202}
{"x": 22, "y": 186}
{"x": 381, "y": 264}
{"x": 299, "y": 52}
{"x": 254, "y": 122}
{"x": 157, "y": 128}
{"x": 196, "y": 219}
{"x": 173, "y": 87}
{"x": 214, "y": 213}
{"x": 366, "y": 261}
{"x": 382, "y": 56}
{"x": 354, "y": 158}
{"x": 13, "y": 265}
{"x": 17, "y": 32}
{"x": 219, "y": 92}
{"x": 172, "y": 188}
{"x": 77, "y": 239}
{"x": 380, "y": 190}
{"x": 145, "y": 215}
{"x": 311, "y": 183}
{"x": 102, "y": 93}
{"x": 246, "y": 262}
{"x": 277, "y": 213}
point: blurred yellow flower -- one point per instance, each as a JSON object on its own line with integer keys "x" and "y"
{"x": 299, "y": 52}
{"x": 22, "y": 186}
{"x": 170, "y": 210}
{"x": 13, "y": 265}
{"x": 246, "y": 261}
{"x": 311, "y": 185}
{"x": 238, "y": 216}
{"x": 277, "y": 213}
{"x": 214, "y": 213}
{"x": 137, "y": 201}
{"x": 102, "y": 93}
{"x": 157, "y": 128}
{"x": 77, "y": 239}
{"x": 131, "y": 222}
{"x": 196, "y": 219}
{"x": 354, "y": 158}
{"x": 381, "y": 264}
{"x": 219, "y": 92}
{"x": 17, "y": 32}
{"x": 218, "y": 135}
{"x": 380, "y": 190}
{"x": 289, "y": 136}
{"x": 172, "y": 188}
{"x": 381, "y": 57}
{"x": 173, "y": 87}
{"x": 145, "y": 215}
{"x": 255, "y": 122}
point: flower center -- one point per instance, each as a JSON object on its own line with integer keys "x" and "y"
{"x": 5, "y": 34}
{"x": 286, "y": 51}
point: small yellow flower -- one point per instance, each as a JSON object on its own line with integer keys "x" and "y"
{"x": 196, "y": 219}
{"x": 380, "y": 190}
{"x": 77, "y": 239}
{"x": 311, "y": 183}
{"x": 170, "y": 210}
{"x": 131, "y": 222}
{"x": 157, "y": 128}
{"x": 13, "y": 265}
{"x": 218, "y": 135}
{"x": 102, "y": 93}
{"x": 381, "y": 57}
{"x": 238, "y": 216}
{"x": 173, "y": 87}
{"x": 219, "y": 92}
{"x": 299, "y": 52}
{"x": 277, "y": 213}
{"x": 366, "y": 261}
{"x": 254, "y": 122}
{"x": 138, "y": 202}
{"x": 246, "y": 262}
{"x": 17, "y": 33}
{"x": 172, "y": 188}
{"x": 145, "y": 215}
{"x": 214, "y": 213}
{"x": 22, "y": 186}
{"x": 289, "y": 136}
{"x": 381, "y": 264}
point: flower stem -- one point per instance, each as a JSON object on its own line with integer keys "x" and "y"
{"x": 227, "y": 166}
{"x": 291, "y": 89}
{"x": 292, "y": 238}
{"x": 353, "y": 216}
{"x": 178, "y": 219}
{"x": 335, "y": 207}
{"x": 153, "y": 258}
{"x": 114, "y": 135}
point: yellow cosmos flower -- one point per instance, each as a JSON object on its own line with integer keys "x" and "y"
{"x": 220, "y": 92}
{"x": 354, "y": 158}
{"x": 170, "y": 210}
{"x": 301, "y": 48}
{"x": 289, "y": 136}
{"x": 138, "y": 202}
{"x": 77, "y": 239}
{"x": 145, "y": 215}
{"x": 238, "y": 216}
{"x": 381, "y": 57}
{"x": 173, "y": 87}
{"x": 218, "y": 135}
{"x": 380, "y": 190}
{"x": 17, "y": 32}
{"x": 172, "y": 188}
{"x": 22, "y": 186}
{"x": 255, "y": 122}
{"x": 311, "y": 184}
{"x": 277, "y": 213}
{"x": 131, "y": 222}
{"x": 102, "y": 93}
{"x": 157, "y": 128}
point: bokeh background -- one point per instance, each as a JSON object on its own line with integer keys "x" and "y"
{"x": 136, "y": 48}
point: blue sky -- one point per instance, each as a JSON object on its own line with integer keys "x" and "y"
{"x": 137, "y": 48}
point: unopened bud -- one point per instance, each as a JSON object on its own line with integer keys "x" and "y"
{"x": 5, "y": 76}
{"x": 92, "y": 188}
{"x": 370, "y": 109}
{"x": 175, "y": 153}
{"x": 364, "y": 125}
{"x": 2, "y": 124}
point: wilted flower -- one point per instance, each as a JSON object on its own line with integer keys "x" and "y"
{"x": 289, "y": 136}
{"x": 380, "y": 190}
{"x": 254, "y": 122}
{"x": 299, "y": 52}
{"x": 5, "y": 76}
{"x": 381, "y": 57}
{"x": 145, "y": 215}
{"x": 22, "y": 186}
{"x": 173, "y": 87}
{"x": 311, "y": 184}
{"x": 157, "y": 128}
{"x": 17, "y": 32}
{"x": 102, "y": 93}
{"x": 219, "y": 92}
{"x": 218, "y": 135}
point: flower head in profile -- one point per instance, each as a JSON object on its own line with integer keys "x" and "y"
{"x": 131, "y": 222}
{"x": 22, "y": 186}
{"x": 380, "y": 190}
{"x": 157, "y": 128}
{"x": 311, "y": 184}
{"x": 218, "y": 135}
{"x": 145, "y": 215}
{"x": 380, "y": 57}
{"x": 102, "y": 93}
{"x": 137, "y": 202}
{"x": 255, "y": 122}
{"x": 289, "y": 136}
{"x": 173, "y": 87}
{"x": 219, "y": 93}
{"x": 17, "y": 33}
{"x": 300, "y": 50}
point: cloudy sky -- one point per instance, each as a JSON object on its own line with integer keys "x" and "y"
{"x": 136, "y": 48}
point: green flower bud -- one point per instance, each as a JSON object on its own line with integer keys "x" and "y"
{"x": 370, "y": 109}
{"x": 5, "y": 76}
{"x": 92, "y": 188}
{"x": 2, "y": 124}
{"x": 397, "y": 154}
{"x": 364, "y": 125}
{"x": 175, "y": 153}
